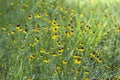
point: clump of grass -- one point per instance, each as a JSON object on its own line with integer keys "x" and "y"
{"x": 49, "y": 39}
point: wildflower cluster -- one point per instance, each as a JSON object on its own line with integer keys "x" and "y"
{"x": 50, "y": 39}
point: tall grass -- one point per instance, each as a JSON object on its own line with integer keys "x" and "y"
{"x": 59, "y": 40}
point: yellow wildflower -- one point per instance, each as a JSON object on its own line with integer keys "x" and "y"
{"x": 53, "y": 22}
{"x": 54, "y": 29}
{"x": 107, "y": 66}
{"x": 32, "y": 57}
{"x": 78, "y": 71}
{"x": 92, "y": 54}
{"x": 64, "y": 62}
{"x": 38, "y": 16}
{"x": 18, "y": 28}
{"x": 58, "y": 68}
{"x": 82, "y": 15}
{"x": 4, "y": 29}
{"x": 22, "y": 48}
{"x": 46, "y": 60}
{"x": 37, "y": 29}
{"x": 54, "y": 36}
{"x": 25, "y": 31}
{"x": 84, "y": 66}
{"x": 77, "y": 56}
{"x": 30, "y": 16}
{"x": 30, "y": 78}
{"x": 77, "y": 61}
{"x": 58, "y": 43}
{"x": 119, "y": 77}
{"x": 31, "y": 44}
{"x": 99, "y": 60}
{"x": 70, "y": 33}
{"x": 54, "y": 54}
{"x": 10, "y": 47}
{"x": 14, "y": 41}
{"x": 11, "y": 3}
{"x": 118, "y": 29}
{"x": 61, "y": 50}
{"x": 12, "y": 32}
{"x": 86, "y": 72}
{"x": 36, "y": 39}
{"x": 81, "y": 49}
{"x": 85, "y": 79}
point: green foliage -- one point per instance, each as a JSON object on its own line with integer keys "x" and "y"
{"x": 59, "y": 40}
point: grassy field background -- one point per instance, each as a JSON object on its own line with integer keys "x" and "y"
{"x": 59, "y": 40}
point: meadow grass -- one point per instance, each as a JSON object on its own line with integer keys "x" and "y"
{"x": 59, "y": 40}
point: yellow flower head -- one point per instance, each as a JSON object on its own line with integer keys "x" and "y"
{"x": 58, "y": 43}
{"x": 82, "y": 15}
{"x": 11, "y": 3}
{"x": 12, "y": 32}
{"x": 81, "y": 44}
{"x": 22, "y": 48}
{"x": 64, "y": 62}
{"x": 84, "y": 66}
{"x": 71, "y": 33}
{"x": 86, "y": 72}
{"x": 92, "y": 32}
{"x": 46, "y": 14}
{"x": 31, "y": 44}
{"x": 4, "y": 29}
{"x": 30, "y": 16}
{"x": 55, "y": 36}
{"x": 78, "y": 71}
{"x": 36, "y": 39}
{"x": 70, "y": 27}
{"x": 18, "y": 28}
{"x": 118, "y": 29}
{"x": 58, "y": 68}
{"x": 10, "y": 47}
{"x": 77, "y": 61}
{"x": 46, "y": 60}
{"x": 32, "y": 57}
{"x": 25, "y": 31}
{"x": 37, "y": 29}
{"x": 107, "y": 66}
{"x": 60, "y": 50}
{"x": 53, "y": 22}
{"x": 99, "y": 60}
{"x": 54, "y": 54}
{"x": 87, "y": 27}
{"x": 42, "y": 50}
{"x": 85, "y": 79}
{"x": 119, "y": 77}
{"x": 54, "y": 29}
{"x": 38, "y": 16}
{"x": 80, "y": 49}
{"x": 77, "y": 56}
{"x": 30, "y": 78}
{"x": 92, "y": 54}
{"x": 57, "y": 26}
{"x": 14, "y": 41}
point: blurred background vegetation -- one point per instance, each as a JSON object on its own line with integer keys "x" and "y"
{"x": 59, "y": 40}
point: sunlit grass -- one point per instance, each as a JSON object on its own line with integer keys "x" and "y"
{"x": 59, "y": 40}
